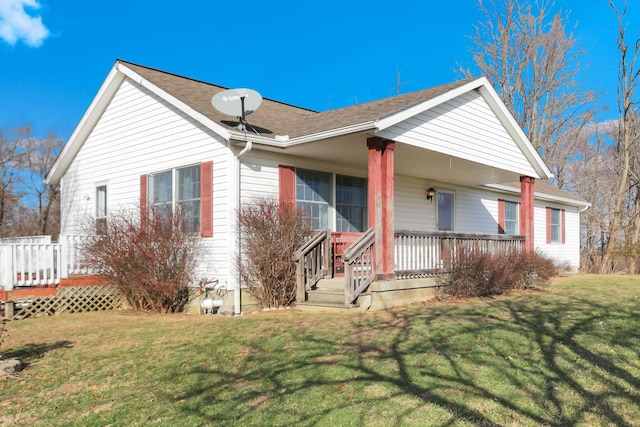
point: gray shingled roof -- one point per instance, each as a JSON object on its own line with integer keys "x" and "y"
{"x": 544, "y": 187}
{"x": 276, "y": 118}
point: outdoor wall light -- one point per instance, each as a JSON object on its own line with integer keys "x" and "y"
{"x": 431, "y": 193}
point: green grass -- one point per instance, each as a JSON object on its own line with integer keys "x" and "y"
{"x": 566, "y": 356}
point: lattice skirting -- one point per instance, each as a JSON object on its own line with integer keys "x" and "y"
{"x": 72, "y": 299}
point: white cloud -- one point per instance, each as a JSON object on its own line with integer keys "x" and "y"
{"x": 17, "y": 24}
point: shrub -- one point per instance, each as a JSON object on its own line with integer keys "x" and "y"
{"x": 477, "y": 274}
{"x": 270, "y": 234}
{"x": 152, "y": 263}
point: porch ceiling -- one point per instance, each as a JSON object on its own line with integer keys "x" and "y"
{"x": 409, "y": 160}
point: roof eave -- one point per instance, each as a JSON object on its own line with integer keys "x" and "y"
{"x": 116, "y": 76}
{"x": 487, "y": 91}
{"x": 303, "y": 139}
{"x": 493, "y": 99}
{"x": 412, "y": 111}
{"x": 541, "y": 195}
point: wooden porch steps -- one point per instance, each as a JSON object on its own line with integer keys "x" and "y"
{"x": 335, "y": 284}
{"x": 328, "y": 295}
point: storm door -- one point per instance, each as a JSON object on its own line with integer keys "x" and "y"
{"x": 445, "y": 210}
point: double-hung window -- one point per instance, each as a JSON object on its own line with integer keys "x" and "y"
{"x": 177, "y": 190}
{"x": 508, "y": 217}
{"x": 313, "y": 196}
{"x": 324, "y": 201}
{"x": 555, "y": 225}
{"x": 511, "y": 218}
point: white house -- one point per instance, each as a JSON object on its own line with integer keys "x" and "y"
{"x": 359, "y": 168}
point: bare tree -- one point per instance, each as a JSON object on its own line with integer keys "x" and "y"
{"x": 624, "y": 224}
{"x": 527, "y": 52}
{"x": 592, "y": 175}
{"x": 37, "y": 158}
{"x": 9, "y": 195}
{"x": 28, "y": 206}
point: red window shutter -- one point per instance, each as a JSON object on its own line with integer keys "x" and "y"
{"x": 206, "y": 199}
{"x": 501, "y": 215}
{"x": 143, "y": 200}
{"x": 562, "y": 225}
{"x": 548, "y": 225}
{"x": 287, "y": 186}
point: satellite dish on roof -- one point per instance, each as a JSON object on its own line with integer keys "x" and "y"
{"x": 237, "y": 102}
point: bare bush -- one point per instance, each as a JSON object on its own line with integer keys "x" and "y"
{"x": 478, "y": 274}
{"x": 270, "y": 234}
{"x": 152, "y": 262}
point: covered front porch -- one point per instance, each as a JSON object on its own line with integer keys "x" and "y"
{"x": 330, "y": 276}
{"x": 439, "y": 196}
{"x": 429, "y": 163}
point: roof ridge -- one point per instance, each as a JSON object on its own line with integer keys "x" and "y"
{"x": 407, "y": 94}
{"x": 206, "y": 83}
{"x": 169, "y": 73}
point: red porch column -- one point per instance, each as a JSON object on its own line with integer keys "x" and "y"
{"x": 381, "y": 198}
{"x": 526, "y": 211}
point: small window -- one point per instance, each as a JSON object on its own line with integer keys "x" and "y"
{"x": 556, "y": 225}
{"x": 101, "y": 201}
{"x": 101, "y": 209}
{"x": 511, "y": 218}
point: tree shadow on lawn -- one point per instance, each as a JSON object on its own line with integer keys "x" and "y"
{"x": 533, "y": 361}
{"x": 27, "y": 354}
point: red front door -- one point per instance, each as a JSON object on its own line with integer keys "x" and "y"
{"x": 340, "y": 241}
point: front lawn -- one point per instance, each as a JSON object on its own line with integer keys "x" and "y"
{"x": 566, "y": 356}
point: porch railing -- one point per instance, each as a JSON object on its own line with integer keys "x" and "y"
{"x": 39, "y": 262}
{"x": 30, "y": 264}
{"x": 358, "y": 262}
{"x": 429, "y": 253}
{"x": 313, "y": 262}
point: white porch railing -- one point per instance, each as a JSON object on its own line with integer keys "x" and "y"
{"x": 36, "y": 261}
{"x": 420, "y": 253}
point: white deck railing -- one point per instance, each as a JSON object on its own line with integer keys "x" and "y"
{"x": 36, "y": 261}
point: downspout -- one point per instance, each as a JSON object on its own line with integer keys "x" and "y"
{"x": 237, "y": 308}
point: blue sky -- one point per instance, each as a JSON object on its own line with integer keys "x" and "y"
{"x": 54, "y": 54}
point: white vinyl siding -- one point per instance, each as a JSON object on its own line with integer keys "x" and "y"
{"x": 412, "y": 211}
{"x": 138, "y": 134}
{"x": 567, "y": 253}
{"x": 259, "y": 178}
{"x": 476, "y": 210}
{"x": 463, "y": 127}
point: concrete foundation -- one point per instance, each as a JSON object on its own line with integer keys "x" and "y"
{"x": 395, "y": 293}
